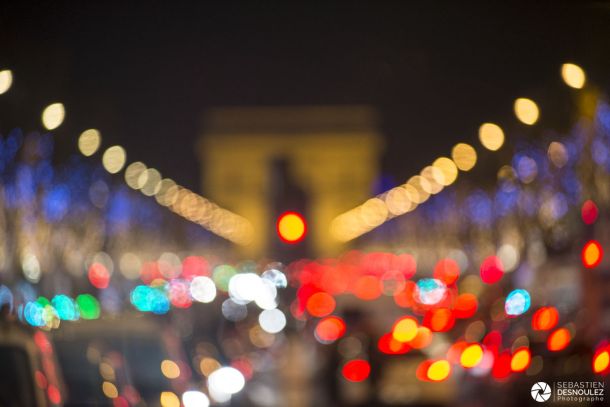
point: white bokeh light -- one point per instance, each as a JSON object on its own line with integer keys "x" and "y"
{"x": 203, "y": 289}
{"x": 243, "y": 288}
{"x": 226, "y": 380}
{"x": 194, "y": 398}
{"x": 272, "y": 320}
{"x": 266, "y": 295}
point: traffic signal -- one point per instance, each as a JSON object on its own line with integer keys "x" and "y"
{"x": 291, "y": 227}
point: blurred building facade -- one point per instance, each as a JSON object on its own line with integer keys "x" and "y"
{"x": 262, "y": 161}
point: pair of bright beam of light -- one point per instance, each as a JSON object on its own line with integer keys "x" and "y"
{"x": 349, "y": 225}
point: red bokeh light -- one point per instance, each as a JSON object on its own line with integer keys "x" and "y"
{"x": 447, "y": 270}
{"x": 179, "y": 294}
{"x": 120, "y": 401}
{"x": 150, "y": 272}
{"x": 195, "y": 266}
{"x": 390, "y": 346}
{"x": 356, "y": 370}
{"x": 501, "y": 368}
{"x": 54, "y": 394}
{"x": 244, "y": 366}
{"x": 491, "y": 270}
{"x": 41, "y": 379}
{"x": 493, "y": 341}
{"x": 98, "y": 275}
{"x": 589, "y": 212}
{"x": 422, "y": 370}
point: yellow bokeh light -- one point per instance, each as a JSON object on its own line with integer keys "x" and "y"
{"x": 133, "y": 173}
{"x": 291, "y": 227}
{"x": 110, "y": 390}
{"x": 169, "y": 399}
{"x": 471, "y": 356}
{"x": 405, "y": 329}
{"x": 208, "y": 365}
{"x": 464, "y": 156}
{"x": 573, "y": 75}
{"x": 520, "y": 360}
{"x": 151, "y": 183}
{"x": 601, "y": 362}
{"x": 491, "y": 136}
{"x": 53, "y": 116}
{"x": 558, "y": 154}
{"x": 398, "y": 201}
{"x": 89, "y": 141}
{"x": 418, "y": 187}
{"x": 435, "y": 179}
{"x": 6, "y": 80}
{"x": 439, "y": 370}
{"x": 526, "y": 111}
{"x": 170, "y": 369}
{"x": 506, "y": 173}
{"x": 107, "y": 371}
{"x": 448, "y": 168}
{"x": 114, "y": 159}
{"x": 345, "y": 226}
{"x": 373, "y": 212}
{"x": 166, "y": 193}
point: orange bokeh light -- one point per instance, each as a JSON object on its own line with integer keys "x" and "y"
{"x": 559, "y": 339}
{"x": 545, "y": 318}
{"x": 367, "y": 288}
{"x": 592, "y": 254}
{"x": 320, "y": 304}
{"x": 404, "y": 298}
{"x": 465, "y": 306}
{"x": 330, "y": 329}
{"x": 422, "y": 339}
{"x": 439, "y": 319}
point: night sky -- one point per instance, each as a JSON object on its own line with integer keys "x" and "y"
{"x": 144, "y": 72}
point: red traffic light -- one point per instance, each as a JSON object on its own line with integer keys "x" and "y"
{"x": 291, "y": 227}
